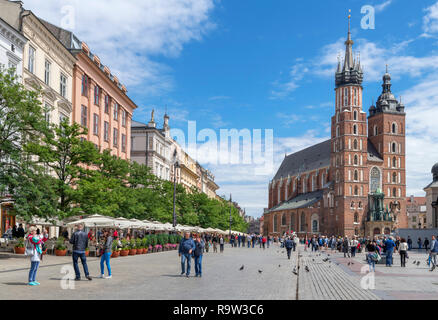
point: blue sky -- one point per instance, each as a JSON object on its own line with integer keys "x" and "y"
{"x": 264, "y": 64}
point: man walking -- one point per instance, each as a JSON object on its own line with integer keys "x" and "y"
{"x": 186, "y": 247}
{"x": 288, "y": 244}
{"x": 409, "y": 243}
{"x": 79, "y": 240}
{"x": 433, "y": 252}
{"x": 389, "y": 245}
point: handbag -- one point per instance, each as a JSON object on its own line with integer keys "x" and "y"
{"x": 377, "y": 257}
{"x": 29, "y": 248}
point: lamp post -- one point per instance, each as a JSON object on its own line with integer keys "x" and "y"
{"x": 175, "y": 166}
{"x": 230, "y": 214}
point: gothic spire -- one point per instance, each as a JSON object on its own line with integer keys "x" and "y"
{"x": 348, "y": 61}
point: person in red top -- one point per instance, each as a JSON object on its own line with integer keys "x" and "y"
{"x": 264, "y": 242}
{"x": 115, "y": 234}
{"x": 91, "y": 235}
{"x": 34, "y": 251}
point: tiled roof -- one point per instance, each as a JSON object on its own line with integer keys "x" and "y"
{"x": 314, "y": 157}
{"x": 301, "y": 201}
{"x": 373, "y": 154}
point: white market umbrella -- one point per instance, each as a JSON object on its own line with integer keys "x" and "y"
{"x": 95, "y": 221}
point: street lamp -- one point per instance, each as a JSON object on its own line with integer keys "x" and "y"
{"x": 175, "y": 166}
{"x": 230, "y": 215}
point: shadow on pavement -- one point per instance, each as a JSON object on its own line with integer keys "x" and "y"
{"x": 15, "y": 283}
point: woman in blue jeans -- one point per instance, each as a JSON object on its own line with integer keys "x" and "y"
{"x": 197, "y": 254}
{"x": 34, "y": 250}
{"x": 372, "y": 249}
{"x": 106, "y": 256}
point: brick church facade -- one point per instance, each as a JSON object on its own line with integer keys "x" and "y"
{"x": 353, "y": 183}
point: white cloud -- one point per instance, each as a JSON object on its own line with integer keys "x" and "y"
{"x": 295, "y": 75}
{"x": 430, "y": 20}
{"x": 288, "y": 118}
{"x": 382, "y": 6}
{"x": 127, "y": 35}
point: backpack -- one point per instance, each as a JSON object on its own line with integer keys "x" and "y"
{"x": 29, "y": 247}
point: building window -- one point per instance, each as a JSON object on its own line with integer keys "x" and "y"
{"x": 376, "y": 130}
{"x": 283, "y": 219}
{"x": 47, "y": 110}
{"x": 394, "y": 147}
{"x": 85, "y": 85}
{"x": 84, "y": 114}
{"x": 394, "y": 192}
{"x": 62, "y": 85}
{"x": 356, "y": 161}
{"x": 352, "y": 205}
{"x": 116, "y": 111}
{"x": 337, "y": 131}
{"x": 123, "y": 142}
{"x": 355, "y": 98}
{"x": 355, "y": 144}
{"x": 345, "y": 96}
{"x": 394, "y": 128}
{"x": 106, "y": 131}
{"x": 274, "y": 229}
{"x": 356, "y": 190}
{"x": 314, "y": 226}
{"x": 356, "y": 176}
{"x": 96, "y": 124}
{"x": 115, "y": 137}
{"x": 96, "y": 95}
{"x": 356, "y": 217}
{"x": 106, "y": 104}
{"x": 47, "y": 72}
{"x": 123, "y": 117}
{"x": 360, "y": 205}
{"x": 354, "y": 129}
{"x": 355, "y": 115}
{"x": 31, "y": 62}
{"x": 394, "y": 177}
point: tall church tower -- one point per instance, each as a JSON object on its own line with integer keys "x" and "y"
{"x": 348, "y": 146}
{"x": 386, "y": 124}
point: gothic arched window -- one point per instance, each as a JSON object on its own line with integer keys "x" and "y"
{"x": 374, "y": 179}
{"x": 356, "y": 190}
{"x": 354, "y": 129}
{"x": 355, "y": 97}
{"x": 356, "y": 217}
{"x": 394, "y": 128}
{"x": 394, "y": 177}
{"x": 352, "y": 205}
{"x": 275, "y": 223}
{"x": 303, "y": 221}
{"x": 345, "y": 96}
{"x": 355, "y": 161}
{"x": 355, "y": 144}
{"x": 355, "y": 115}
{"x": 314, "y": 226}
{"x": 394, "y": 147}
{"x": 360, "y": 204}
{"x": 376, "y": 130}
{"x": 394, "y": 162}
{"x": 394, "y": 192}
{"x": 283, "y": 219}
{"x": 356, "y": 175}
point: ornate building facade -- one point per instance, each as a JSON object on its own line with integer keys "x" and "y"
{"x": 353, "y": 183}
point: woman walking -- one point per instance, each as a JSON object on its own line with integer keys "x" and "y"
{"x": 197, "y": 254}
{"x": 403, "y": 249}
{"x": 34, "y": 250}
{"x": 106, "y": 255}
{"x": 221, "y": 243}
{"x": 372, "y": 254}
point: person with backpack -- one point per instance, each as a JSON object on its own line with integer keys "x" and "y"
{"x": 197, "y": 254}
{"x": 288, "y": 245}
{"x": 34, "y": 251}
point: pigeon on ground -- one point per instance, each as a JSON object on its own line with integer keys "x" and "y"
{"x": 328, "y": 255}
{"x": 352, "y": 263}
{"x": 418, "y": 263}
{"x": 313, "y": 259}
{"x": 294, "y": 271}
{"x": 415, "y": 261}
{"x": 260, "y": 271}
{"x": 307, "y": 268}
{"x": 325, "y": 259}
{"x": 241, "y": 268}
{"x": 279, "y": 265}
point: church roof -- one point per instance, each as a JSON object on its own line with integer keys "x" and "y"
{"x": 301, "y": 201}
{"x": 373, "y": 154}
{"x": 311, "y": 158}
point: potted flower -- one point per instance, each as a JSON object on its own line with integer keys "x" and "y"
{"x": 132, "y": 247}
{"x": 60, "y": 248}
{"x": 125, "y": 248}
{"x": 144, "y": 243}
{"x": 115, "y": 250}
{"x": 87, "y": 251}
{"x": 138, "y": 246}
{"x": 153, "y": 242}
{"x": 19, "y": 247}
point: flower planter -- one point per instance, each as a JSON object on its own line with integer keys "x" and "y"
{"x": 139, "y": 251}
{"x": 124, "y": 253}
{"x": 143, "y": 251}
{"x": 87, "y": 253}
{"x": 132, "y": 252}
{"x": 115, "y": 254}
{"x": 60, "y": 253}
{"x": 146, "y": 250}
{"x": 19, "y": 250}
